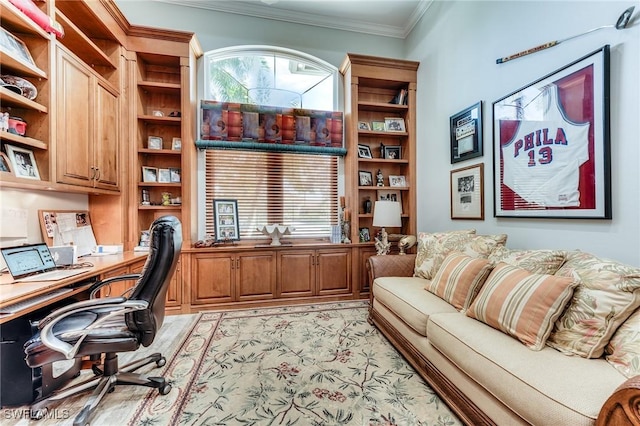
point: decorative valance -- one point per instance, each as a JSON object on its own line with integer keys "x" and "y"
{"x": 226, "y": 125}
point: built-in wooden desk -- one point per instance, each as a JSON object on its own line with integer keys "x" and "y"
{"x": 17, "y": 292}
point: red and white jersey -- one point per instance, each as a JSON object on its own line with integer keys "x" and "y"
{"x": 541, "y": 162}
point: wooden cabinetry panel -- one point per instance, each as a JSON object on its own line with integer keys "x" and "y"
{"x": 365, "y": 282}
{"x": 107, "y": 141}
{"x": 333, "y": 269}
{"x": 296, "y": 273}
{"x": 212, "y": 278}
{"x": 256, "y": 276}
{"x": 174, "y": 292}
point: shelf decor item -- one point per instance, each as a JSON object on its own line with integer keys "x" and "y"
{"x": 5, "y": 166}
{"x": 14, "y": 47}
{"x": 392, "y": 152}
{"x": 394, "y": 124}
{"x": 176, "y": 144}
{"x": 164, "y": 176}
{"x": 23, "y": 162}
{"x": 377, "y": 126}
{"x": 275, "y": 232}
{"x": 225, "y": 217}
{"x": 386, "y": 214}
{"x": 154, "y": 142}
{"x": 366, "y": 178}
{"x": 149, "y": 174}
{"x": 397, "y": 181}
{"x": 390, "y": 195}
{"x": 363, "y": 125}
{"x": 467, "y": 192}
{"x": 466, "y": 133}
{"x": 364, "y": 151}
{"x": 552, "y": 145}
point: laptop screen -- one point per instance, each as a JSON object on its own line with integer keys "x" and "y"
{"x": 25, "y": 260}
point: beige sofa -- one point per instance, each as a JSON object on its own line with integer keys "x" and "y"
{"x": 489, "y": 376}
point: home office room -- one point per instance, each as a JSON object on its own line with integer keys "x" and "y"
{"x": 388, "y": 212}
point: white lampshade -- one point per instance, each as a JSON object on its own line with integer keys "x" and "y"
{"x": 387, "y": 213}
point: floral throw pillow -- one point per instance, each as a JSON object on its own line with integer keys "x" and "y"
{"x": 623, "y": 350}
{"x": 471, "y": 245}
{"x": 608, "y": 293}
{"x": 426, "y": 245}
{"x": 536, "y": 261}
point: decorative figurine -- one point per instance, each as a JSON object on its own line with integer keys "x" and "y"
{"x": 380, "y": 178}
{"x": 366, "y": 205}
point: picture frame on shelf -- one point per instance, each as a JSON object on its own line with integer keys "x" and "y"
{"x": 398, "y": 181}
{"x": 390, "y": 195}
{"x": 377, "y": 126}
{"x": 175, "y": 173}
{"x": 364, "y": 151}
{"x": 164, "y": 176}
{"x": 394, "y": 124}
{"x": 551, "y": 147}
{"x": 363, "y": 125}
{"x": 365, "y": 178}
{"x": 149, "y": 174}
{"x": 467, "y": 192}
{"x": 225, "y": 218}
{"x": 5, "y": 164}
{"x": 392, "y": 152}
{"x": 13, "y": 46}
{"x": 176, "y": 144}
{"x": 365, "y": 236}
{"x": 23, "y": 162}
{"x": 466, "y": 133}
{"x": 154, "y": 142}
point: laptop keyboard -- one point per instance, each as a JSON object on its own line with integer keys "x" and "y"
{"x": 53, "y": 275}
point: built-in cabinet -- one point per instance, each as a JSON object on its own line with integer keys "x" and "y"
{"x": 309, "y": 272}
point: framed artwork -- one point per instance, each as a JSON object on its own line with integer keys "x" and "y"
{"x": 225, "y": 217}
{"x": 365, "y": 236}
{"x": 149, "y": 174}
{"x": 164, "y": 175}
{"x": 365, "y": 178}
{"x": 13, "y": 46}
{"x": 397, "y": 181}
{"x": 466, "y": 133}
{"x": 363, "y": 125}
{"x": 377, "y": 126}
{"x": 154, "y": 142}
{"x": 467, "y": 192}
{"x": 5, "y": 166}
{"x": 390, "y": 195}
{"x": 175, "y": 174}
{"x": 394, "y": 124}
{"x": 23, "y": 162}
{"x": 364, "y": 151}
{"x": 176, "y": 144}
{"x": 551, "y": 144}
{"x": 392, "y": 152}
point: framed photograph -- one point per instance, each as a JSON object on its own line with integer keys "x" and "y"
{"x": 467, "y": 192}
{"x": 466, "y": 133}
{"x": 225, "y": 216}
{"x": 164, "y": 175}
{"x": 365, "y": 178}
{"x": 23, "y": 162}
{"x": 149, "y": 174}
{"x": 551, "y": 144}
{"x": 5, "y": 165}
{"x": 175, "y": 173}
{"x": 377, "y": 126}
{"x": 13, "y": 46}
{"x": 365, "y": 236}
{"x": 364, "y": 151}
{"x": 176, "y": 144}
{"x": 392, "y": 152}
{"x": 390, "y": 195}
{"x": 154, "y": 142}
{"x": 363, "y": 125}
{"x": 394, "y": 124}
{"x": 397, "y": 181}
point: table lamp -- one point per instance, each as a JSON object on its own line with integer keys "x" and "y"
{"x": 386, "y": 213}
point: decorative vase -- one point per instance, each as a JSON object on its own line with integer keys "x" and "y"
{"x": 275, "y": 231}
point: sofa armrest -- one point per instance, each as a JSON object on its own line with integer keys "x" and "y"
{"x": 623, "y": 406}
{"x": 391, "y": 266}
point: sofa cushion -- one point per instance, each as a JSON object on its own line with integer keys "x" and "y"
{"x": 522, "y": 304}
{"x": 459, "y": 279}
{"x": 623, "y": 350}
{"x": 544, "y": 387}
{"x": 405, "y": 296}
{"x": 536, "y": 261}
{"x": 609, "y": 292}
{"x": 426, "y": 250}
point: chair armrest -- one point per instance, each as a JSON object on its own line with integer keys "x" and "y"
{"x": 622, "y": 406}
{"x": 97, "y": 286}
{"x": 391, "y": 266}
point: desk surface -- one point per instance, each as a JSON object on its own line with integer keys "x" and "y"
{"x": 11, "y": 292}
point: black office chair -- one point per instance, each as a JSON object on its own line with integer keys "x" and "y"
{"x": 94, "y": 327}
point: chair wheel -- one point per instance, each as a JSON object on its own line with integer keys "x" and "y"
{"x": 164, "y": 389}
{"x": 37, "y": 414}
{"x": 161, "y": 362}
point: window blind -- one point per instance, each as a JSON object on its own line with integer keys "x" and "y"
{"x": 299, "y": 190}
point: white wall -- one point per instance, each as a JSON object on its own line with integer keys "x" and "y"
{"x": 457, "y": 43}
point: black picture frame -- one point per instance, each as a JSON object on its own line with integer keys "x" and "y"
{"x": 365, "y": 178}
{"x": 466, "y": 133}
{"x": 225, "y": 220}
{"x": 551, "y": 155}
{"x": 364, "y": 151}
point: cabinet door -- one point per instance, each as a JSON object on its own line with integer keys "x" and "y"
{"x": 256, "y": 275}
{"x": 117, "y": 288}
{"x": 107, "y": 141}
{"x": 175, "y": 287}
{"x": 333, "y": 271}
{"x": 365, "y": 282}
{"x": 212, "y": 277}
{"x": 296, "y": 273}
{"x": 74, "y": 114}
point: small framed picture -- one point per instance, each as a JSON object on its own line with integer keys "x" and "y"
{"x": 13, "y": 46}
{"x": 466, "y": 133}
{"x": 5, "y": 166}
{"x": 467, "y": 192}
{"x": 394, "y": 124}
{"x": 176, "y": 144}
{"x": 390, "y": 195}
{"x": 154, "y": 142}
{"x": 175, "y": 174}
{"x": 225, "y": 217}
{"x": 397, "y": 181}
{"x": 365, "y": 178}
{"x": 164, "y": 175}
{"x": 364, "y": 151}
{"x": 363, "y": 125}
{"x": 392, "y": 152}
{"x": 365, "y": 237}
{"x": 377, "y": 126}
{"x": 23, "y": 162}
{"x": 149, "y": 174}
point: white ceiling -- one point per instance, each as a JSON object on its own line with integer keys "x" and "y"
{"x": 391, "y": 18}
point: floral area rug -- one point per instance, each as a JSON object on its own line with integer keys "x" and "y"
{"x": 321, "y": 364}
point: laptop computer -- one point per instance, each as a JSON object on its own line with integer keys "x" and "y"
{"x": 34, "y": 262}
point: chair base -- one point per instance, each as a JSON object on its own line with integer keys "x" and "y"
{"x": 105, "y": 382}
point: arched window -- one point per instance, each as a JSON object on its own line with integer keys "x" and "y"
{"x": 299, "y": 190}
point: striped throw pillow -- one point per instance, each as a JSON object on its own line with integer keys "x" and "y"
{"x": 459, "y": 278}
{"x": 522, "y": 304}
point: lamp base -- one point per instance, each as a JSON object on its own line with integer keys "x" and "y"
{"x": 383, "y": 245}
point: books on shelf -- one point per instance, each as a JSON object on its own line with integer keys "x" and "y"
{"x": 401, "y": 97}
